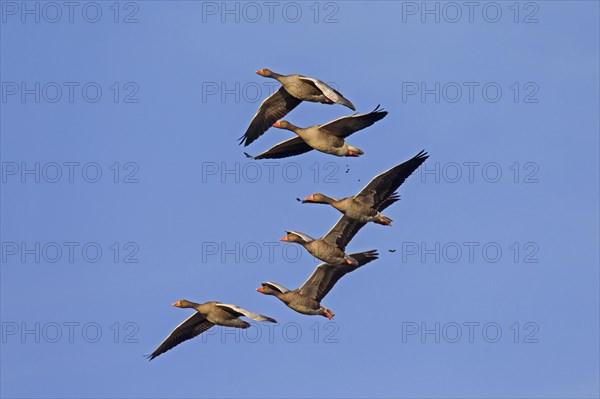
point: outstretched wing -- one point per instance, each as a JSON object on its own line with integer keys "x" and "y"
{"x": 270, "y": 111}
{"x": 381, "y": 190}
{"x": 244, "y": 312}
{"x": 191, "y": 327}
{"x": 326, "y": 276}
{"x": 343, "y": 231}
{"x": 329, "y": 92}
{"x": 288, "y": 148}
{"x": 345, "y": 126}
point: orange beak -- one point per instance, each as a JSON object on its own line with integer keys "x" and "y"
{"x": 276, "y": 124}
{"x": 260, "y": 72}
{"x": 283, "y": 238}
{"x": 309, "y": 198}
{"x": 177, "y": 304}
{"x": 260, "y": 289}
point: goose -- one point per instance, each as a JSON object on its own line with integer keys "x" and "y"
{"x": 329, "y": 248}
{"x": 307, "y": 299}
{"x": 378, "y": 194}
{"x": 294, "y": 90}
{"x": 207, "y": 315}
{"x": 327, "y": 138}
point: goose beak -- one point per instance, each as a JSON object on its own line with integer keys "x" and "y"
{"x": 309, "y": 198}
{"x": 260, "y": 289}
{"x": 276, "y": 124}
{"x": 177, "y": 304}
{"x": 260, "y": 72}
{"x": 283, "y": 238}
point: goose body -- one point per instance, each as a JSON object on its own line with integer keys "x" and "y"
{"x": 331, "y": 247}
{"x": 322, "y": 141}
{"x": 328, "y": 252}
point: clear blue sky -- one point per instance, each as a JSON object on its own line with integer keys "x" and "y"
{"x": 171, "y": 133}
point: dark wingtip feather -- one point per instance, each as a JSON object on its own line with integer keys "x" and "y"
{"x": 247, "y": 140}
{"x": 244, "y": 140}
{"x": 422, "y": 155}
{"x": 379, "y": 109}
{"x": 366, "y": 257}
{"x": 271, "y": 320}
{"x": 372, "y": 254}
{"x": 249, "y": 156}
{"x": 379, "y": 113}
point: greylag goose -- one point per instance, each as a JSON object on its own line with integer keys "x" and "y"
{"x": 207, "y": 315}
{"x": 294, "y": 90}
{"x": 327, "y": 138}
{"x": 307, "y": 299}
{"x": 366, "y": 206}
{"x": 329, "y": 248}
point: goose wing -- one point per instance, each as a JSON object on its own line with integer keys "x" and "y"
{"x": 329, "y": 92}
{"x": 244, "y": 312}
{"x": 343, "y": 231}
{"x": 287, "y": 148}
{"x": 345, "y": 126}
{"x": 191, "y": 327}
{"x": 325, "y": 276}
{"x": 270, "y": 111}
{"x": 380, "y": 192}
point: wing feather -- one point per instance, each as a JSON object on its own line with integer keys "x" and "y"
{"x": 329, "y": 92}
{"x": 247, "y": 313}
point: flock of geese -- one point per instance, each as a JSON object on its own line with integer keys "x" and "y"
{"x": 357, "y": 210}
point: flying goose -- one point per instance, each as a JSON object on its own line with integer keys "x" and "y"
{"x": 329, "y": 248}
{"x": 207, "y": 315}
{"x": 294, "y": 90}
{"x": 307, "y": 299}
{"x": 327, "y": 138}
{"x": 366, "y": 206}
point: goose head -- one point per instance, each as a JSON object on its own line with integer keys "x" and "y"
{"x": 183, "y": 303}
{"x": 268, "y": 289}
{"x": 264, "y": 72}
{"x": 294, "y": 236}
{"x": 283, "y": 124}
{"x": 317, "y": 198}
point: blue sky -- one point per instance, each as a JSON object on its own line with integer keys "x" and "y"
{"x": 139, "y": 196}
